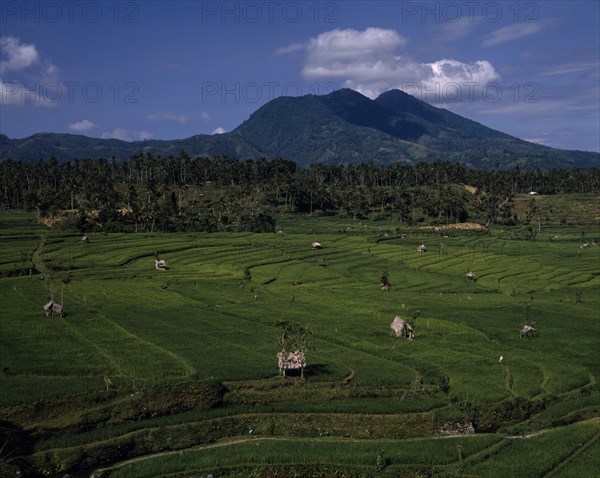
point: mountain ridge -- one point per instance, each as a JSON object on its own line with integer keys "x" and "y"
{"x": 342, "y": 127}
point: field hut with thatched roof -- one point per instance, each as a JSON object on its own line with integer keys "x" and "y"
{"x": 422, "y": 248}
{"x": 527, "y": 331}
{"x": 402, "y": 328}
{"x": 52, "y": 308}
{"x": 471, "y": 276}
{"x": 291, "y": 361}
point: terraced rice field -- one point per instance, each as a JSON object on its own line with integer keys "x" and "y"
{"x": 364, "y": 391}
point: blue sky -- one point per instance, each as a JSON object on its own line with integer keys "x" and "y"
{"x": 164, "y": 70}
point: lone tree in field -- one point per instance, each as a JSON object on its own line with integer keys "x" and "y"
{"x": 107, "y": 381}
{"x": 413, "y": 318}
{"x": 295, "y": 340}
{"x": 247, "y": 278}
{"x": 384, "y": 282}
{"x": 527, "y": 313}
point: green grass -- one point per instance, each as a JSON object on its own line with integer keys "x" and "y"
{"x": 538, "y": 455}
{"x": 256, "y": 453}
{"x": 198, "y": 320}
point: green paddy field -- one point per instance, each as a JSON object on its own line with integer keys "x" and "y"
{"x": 190, "y": 352}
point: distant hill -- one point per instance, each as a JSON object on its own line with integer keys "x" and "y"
{"x": 67, "y": 147}
{"x": 341, "y": 127}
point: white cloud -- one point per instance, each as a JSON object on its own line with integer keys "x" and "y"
{"x": 292, "y": 48}
{"x": 127, "y": 135}
{"x": 339, "y": 53}
{"x": 82, "y": 126}
{"x": 575, "y": 67}
{"x": 537, "y": 140}
{"x": 451, "y": 31}
{"x": 368, "y": 62}
{"x": 510, "y": 33}
{"x": 218, "y": 130}
{"x": 20, "y": 55}
{"x": 51, "y": 70}
{"x": 452, "y": 78}
{"x": 17, "y": 56}
{"x": 143, "y": 135}
{"x": 117, "y": 133}
{"x": 177, "y": 117}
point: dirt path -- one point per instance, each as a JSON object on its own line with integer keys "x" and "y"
{"x": 36, "y": 258}
{"x": 100, "y": 471}
{"x": 239, "y": 441}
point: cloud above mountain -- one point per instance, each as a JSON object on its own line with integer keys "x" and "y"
{"x": 82, "y": 126}
{"x": 373, "y": 61}
{"x": 18, "y": 55}
{"x": 17, "y": 59}
{"x": 511, "y": 33}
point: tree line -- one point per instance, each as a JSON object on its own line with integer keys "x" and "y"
{"x": 180, "y": 193}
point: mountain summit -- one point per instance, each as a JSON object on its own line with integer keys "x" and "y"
{"x": 343, "y": 127}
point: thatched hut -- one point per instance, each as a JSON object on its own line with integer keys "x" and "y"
{"x": 291, "y": 361}
{"x": 471, "y": 276}
{"x": 402, "y": 328}
{"x": 422, "y": 248}
{"x": 527, "y": 331}
{"x": 52, "y": 308}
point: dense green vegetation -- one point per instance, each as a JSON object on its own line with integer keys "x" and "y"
{"x": 146, "y": 362}
{"x": 176, "y": 194}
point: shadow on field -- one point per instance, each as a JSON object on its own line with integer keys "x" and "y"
{"x": 316, "y": 370}
{"x": 313, "y": 370}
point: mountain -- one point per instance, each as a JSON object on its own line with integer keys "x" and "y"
{"x": 341, "y": 127}
{"x": 67, "y": 147}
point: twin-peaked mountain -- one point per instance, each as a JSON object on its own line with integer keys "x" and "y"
{"x": 343, "y": 127}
